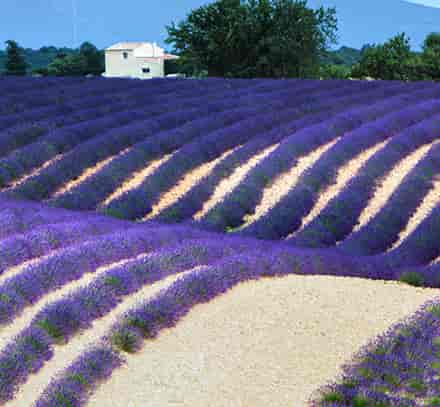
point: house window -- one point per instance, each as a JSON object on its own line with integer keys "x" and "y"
{"x": 125, "y": 55}
{"x": 145, "y": 70}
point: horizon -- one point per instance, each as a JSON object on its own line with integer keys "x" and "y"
{"x": 71, "y": 23}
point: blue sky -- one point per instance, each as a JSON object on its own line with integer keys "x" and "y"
{"x": 34, "y": 23}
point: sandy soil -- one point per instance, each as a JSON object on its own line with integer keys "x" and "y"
{"x": 228, "y": 184}
{"x": 345, "y": 174}
{"x": 66, "y": 354}
{"x": 284, "y": 183}
{"x": 268, "y": 343}
{"x": 137, "y": 178}
{"x": 188, "y": 181}
{"x": 389, "y": 184}
{"x": 87, "y": 174}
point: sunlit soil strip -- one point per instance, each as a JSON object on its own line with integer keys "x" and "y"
{"x": 66, "y": 354}
{"x": 435, "y": 261}
{"x": 230, "y": 183}
{"x": 284, "y": 183}
{"x": 345, "y": 174}
{"x": 87, "y": 174}
{"x": 390, "y": 183}
{"x": 34, "y": 173}
{"x": 185, "y": 184}
{"x": 431, "y": 200}
{"x": 8, "y": 332}
{"x": 232, "y": 350}
{"x": 15, "y": 270}
{"x": 137, "y": 178}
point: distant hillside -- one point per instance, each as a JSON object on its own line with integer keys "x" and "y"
{"x": 343, "y": 56}
{"x": 376, "y": 21}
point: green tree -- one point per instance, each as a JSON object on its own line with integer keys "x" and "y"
{"x": 70, "y": 65}
{"x": 431, "y": 56}
{"x": 389, "y": 61}
{"x": 254, "y": 38}
{"x": 94, "y": 58}
{"x": 15, "y": 61}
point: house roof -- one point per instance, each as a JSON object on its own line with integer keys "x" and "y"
{"x": 125, "y": 46}
{"x": 142, "y": 50}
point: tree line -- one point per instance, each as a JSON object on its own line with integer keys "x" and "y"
{"x": 264, "y": 39}
{"x": 87, "y": 60}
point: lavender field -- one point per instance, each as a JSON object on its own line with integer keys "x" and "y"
{"x": 126, "y": 206}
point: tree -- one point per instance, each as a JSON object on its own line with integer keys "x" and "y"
{"x": 431, "y": 56}
{"x": 389, "y": 61}
{"x": 94, "y": 58}
{"x": 70, "y": 65}
{"x": 15, "y": 61}
{"x": 254, "y": 38}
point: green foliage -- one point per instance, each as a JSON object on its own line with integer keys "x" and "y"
{"x": 333, "y": 71}
{"x": 412, "y": 278}
{"x": 15, "y": 62}
{"x": 431, "y": 56}
{"x": 72, "y": 65}
{"x": 51, "y": 330}
{"x": 125, "y": 340}
{"x": 254, "y": 38}
{"x": 434, "y": 402}
{"x": 333, "y": 397}
{"x": 388, "y": 61}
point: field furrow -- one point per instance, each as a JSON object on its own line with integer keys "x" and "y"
{"x": 186, "y": 183}
{"x": 283, "y": 183}
{"x": 119, "y": 284}
{"x": 389, "y": 184}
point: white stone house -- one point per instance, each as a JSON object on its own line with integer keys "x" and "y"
{"x": 141, "y": 60}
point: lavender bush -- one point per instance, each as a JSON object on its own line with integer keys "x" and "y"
{"x": 245, "y": 197}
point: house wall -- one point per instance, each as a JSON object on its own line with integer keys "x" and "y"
{"x": 117, "y": 66}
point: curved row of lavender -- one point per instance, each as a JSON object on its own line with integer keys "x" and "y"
{"x": 199, "y": 121}
{"x": 71, "y": 244}
{"x": 400, "y": 368}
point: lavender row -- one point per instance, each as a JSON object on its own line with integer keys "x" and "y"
{"x": 420, "y": 247}
{"x": 27, "y": 132}
{"x": 399, "y": 368}
{"x": 383, "y": 230}
{"x": 188, "y": 204}
{"x": 41, "y": 112}
{"x": 421, "y": 275}
{"x": 98, "y": 148}
{"x": 98, "y": 186}
{"x": 170, "y": 305}
{"x": 44, "y": 239}
{"x": 286, "y": 216}
{"x": 13, "y": 86}
{"x": 74, "y": 313}
{"x": 66, "y": 107}
{"x": 45, "y": 97}
{"x": 361, "y": 189}
{"x": 71, "y": 263}
{"x": 133, "y": 204}
{"x": 21, "y": 161}
{"x": 230, "y": 212}
{"x": 337, "y": 219}
{"x": 81, "y": 379}
{"x": 22, "y": 216}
